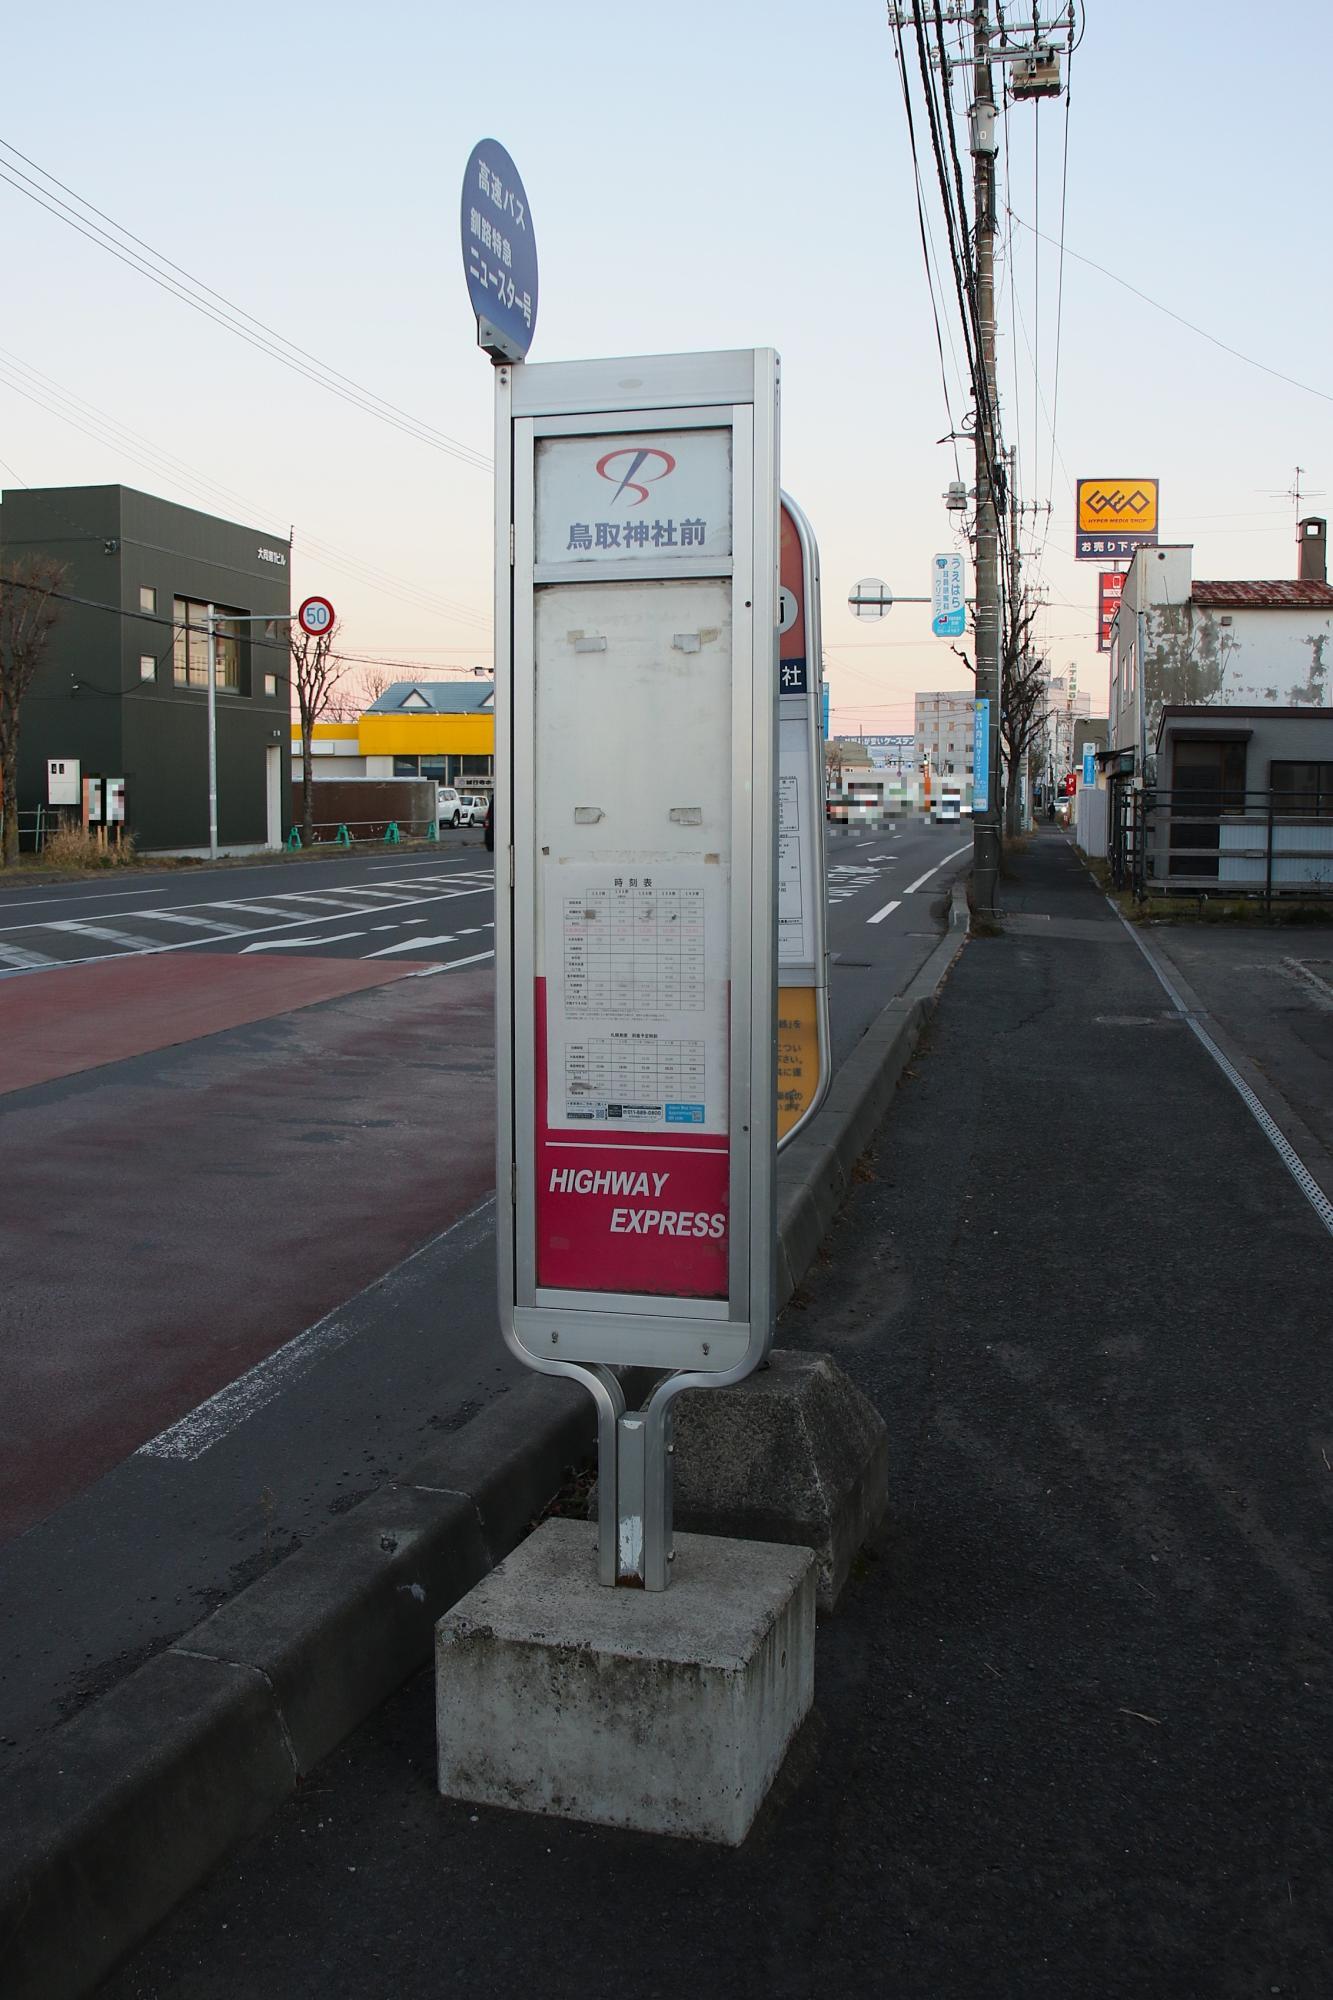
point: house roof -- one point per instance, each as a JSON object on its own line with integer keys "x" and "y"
{"x": 434, "y": 698}
{"x": 1284, "y": 594}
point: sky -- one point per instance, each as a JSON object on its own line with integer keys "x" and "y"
{"x": 708, "y": 174}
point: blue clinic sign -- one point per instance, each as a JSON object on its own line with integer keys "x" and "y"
{"x": 946, "y": 595}
{"x": 981, "y": 757}
{"x": 499, "y": 252}
{"x": 1089, "y": 764}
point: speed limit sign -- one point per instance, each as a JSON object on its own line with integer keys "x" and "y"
{"x": 315, "y": 616}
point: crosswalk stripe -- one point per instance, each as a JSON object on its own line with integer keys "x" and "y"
{"x": 194, "y": 923}
{"x": 103, "y": 931}
{"x": 30, "y": 961}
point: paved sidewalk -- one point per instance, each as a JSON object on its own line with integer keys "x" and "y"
{"x": 1073, "y": 1730}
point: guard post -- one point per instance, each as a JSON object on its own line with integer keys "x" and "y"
{"x": 636, "y": 622}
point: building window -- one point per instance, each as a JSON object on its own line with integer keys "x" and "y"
{"x": 406, "y": 767}
{"x": 147, "y": 667}
{"x": 270, "y": 684}
{"x": 147, "y": 597}
{"x": 1302, "y": 788}
{"x": 190, "y": 645}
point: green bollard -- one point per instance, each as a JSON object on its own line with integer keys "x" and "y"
{"x": 294, "y": 837}
{"x": 342, "y": 838}
{"x": 391, "y": 832}
{"x": 433, "y": 830}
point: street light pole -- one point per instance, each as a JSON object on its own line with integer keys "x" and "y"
{"x": 209, "y": 625}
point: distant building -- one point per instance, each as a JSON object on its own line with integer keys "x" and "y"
{"x": 416, "y": 729}
{"x": 1182, "y": 643}
{"x": 1220, "y": 760}
{"x": 121, "y": 691}
{"x": 897, "y": 755}
{"x": 944, "y": 725}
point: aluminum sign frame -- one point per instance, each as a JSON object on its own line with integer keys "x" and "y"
{"x": 807, "y": 709}
{"x": 583, "y": 1333}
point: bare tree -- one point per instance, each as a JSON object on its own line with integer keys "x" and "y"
{"x": 27, "y": 612}
{"x": 1022, "y": 720}
{"x": 317, "y": 672}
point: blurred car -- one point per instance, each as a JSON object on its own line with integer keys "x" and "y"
{"x": 947, "y": 809}
{"x": 474, "y": 808}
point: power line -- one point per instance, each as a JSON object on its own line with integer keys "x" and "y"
{"x": 37, "y": 388}
{"x": 1203, "y": 333}
{"x": 317, "y": 372}
{"x": 925, "y": 241}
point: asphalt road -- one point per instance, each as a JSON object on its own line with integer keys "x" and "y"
{"x": 1072, "y": 1731}
{"x": 247, "y": 1245}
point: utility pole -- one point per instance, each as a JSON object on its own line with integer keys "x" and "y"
{"x": 986, "y": 826}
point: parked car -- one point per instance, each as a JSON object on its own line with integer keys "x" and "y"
{"x": 490, "y": 823}
{"x": 474, "y": 809}
{"x": 448, "y": 806}
{"x": 947, "y": 809}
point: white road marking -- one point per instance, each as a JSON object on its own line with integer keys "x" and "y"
{"x": 314, "y": 896}
{"x": 298, "y": 944}
{"x": 108, "y": 896}
{"x": 887, "y": 911}
{"x": 105, "y": 934}
{"x": 205, "y": 1426}
{"x": 146, "y": 949}
{"x": 27, "y": 961}
{"x": 409, "y": 944}
{"x": 912, "y": 887}
{"x": 454, "y": 965}
{"x": 194, "y": 923}
{"x": 255, "y": 909}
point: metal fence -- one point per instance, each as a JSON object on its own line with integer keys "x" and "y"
{"x": 33, "y": 828}
{"x": 1234, "y": 844}
{"x": 360, "y": 832}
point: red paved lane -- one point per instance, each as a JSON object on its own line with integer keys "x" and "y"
{"x": 55, "y": 1023}
{"x": 169, "y": 1222}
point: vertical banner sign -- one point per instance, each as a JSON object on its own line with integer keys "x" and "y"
{"x": 636, "y": 710}
{"x": 803, "y": 1036}
{"x": 949, "y": 619}
{"x": 1110, "y": 588}
{"x": 981, "y": 757}
{"x": 1089, "y": 764}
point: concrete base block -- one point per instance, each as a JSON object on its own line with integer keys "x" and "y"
{"x": 793, "y": 1454}
{"x": 666, "y": 1711}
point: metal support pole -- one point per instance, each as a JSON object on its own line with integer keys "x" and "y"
{"x": 986, "y": 828}
{"x": 209, "y": 623}
{"x": 634, "y": 1486}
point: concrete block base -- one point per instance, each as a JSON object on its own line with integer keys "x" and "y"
{"x": 795, "y": 1453}
{"x": 666, "y": 1711}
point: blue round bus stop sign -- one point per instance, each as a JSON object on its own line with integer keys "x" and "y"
{"x": 499, "y": 252}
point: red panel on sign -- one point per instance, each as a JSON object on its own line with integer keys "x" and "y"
{"x": 642, "y": 1212}
{"x": 1110, "y": 587}
{"x": 791, "y": 575}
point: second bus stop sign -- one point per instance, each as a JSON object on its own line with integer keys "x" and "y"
{"x": 499, "y": 252}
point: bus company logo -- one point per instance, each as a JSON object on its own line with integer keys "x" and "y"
{"x": 624, "y": 466}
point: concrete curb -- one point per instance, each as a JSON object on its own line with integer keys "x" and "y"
{"x": 117, "y": 1817}
{"x": 814, "y": 1173}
